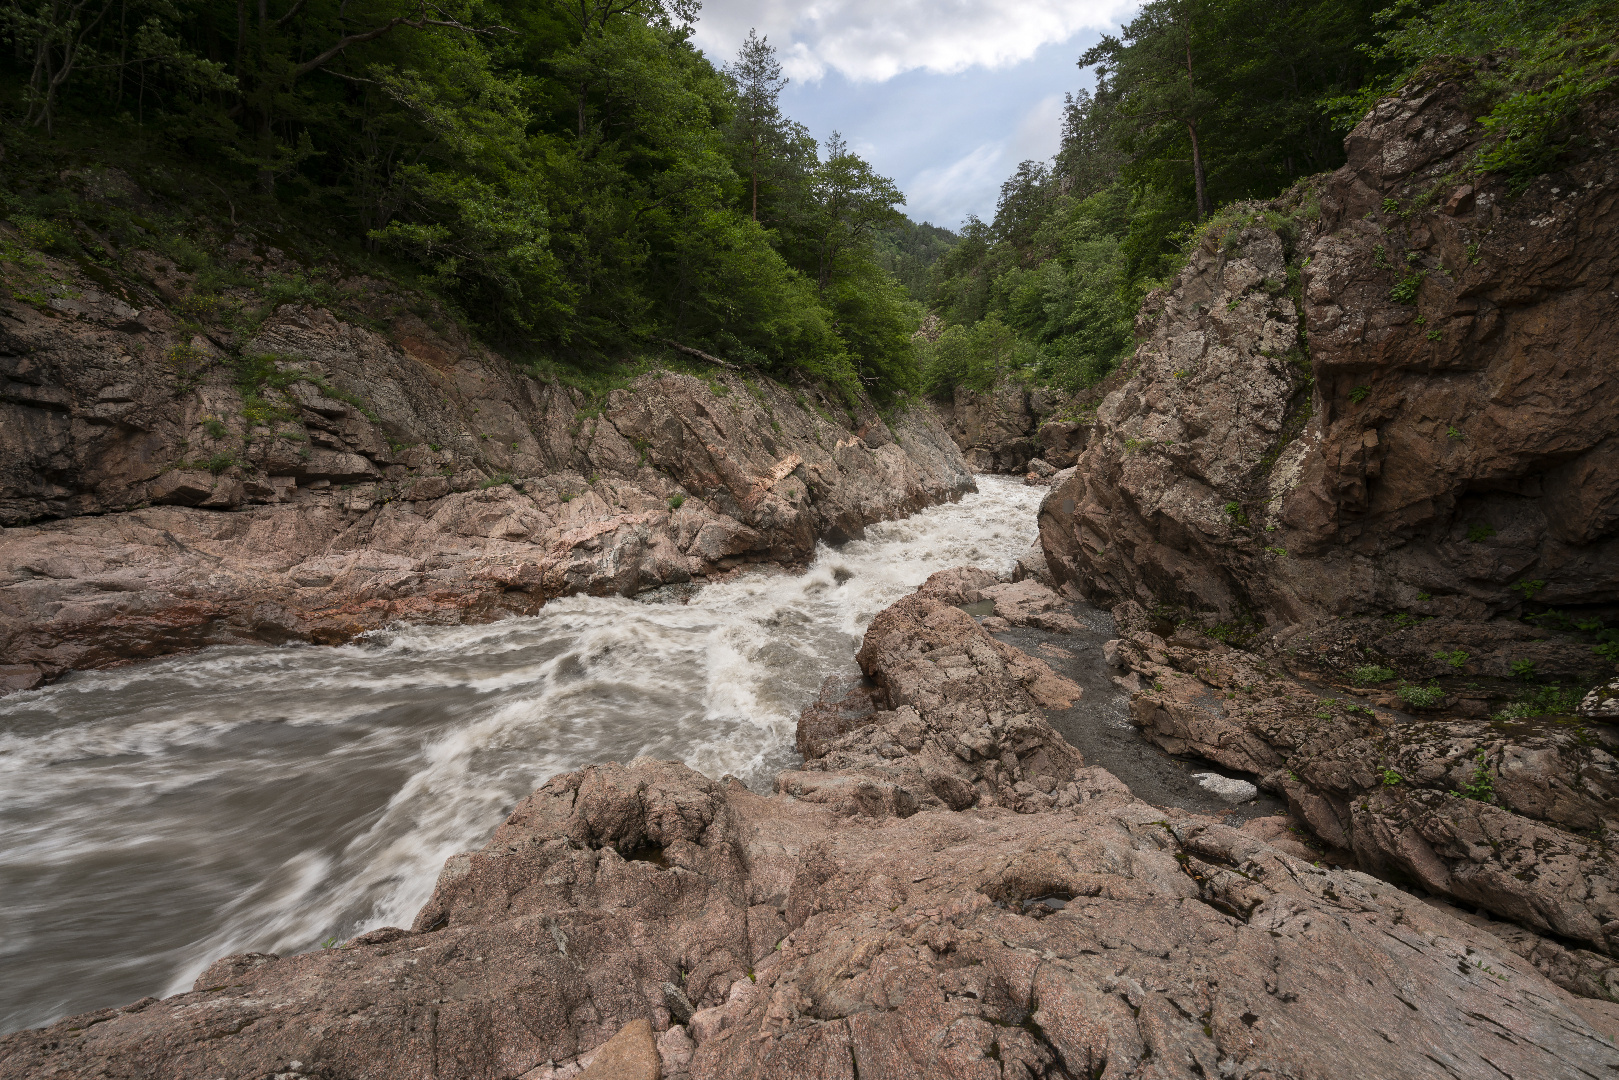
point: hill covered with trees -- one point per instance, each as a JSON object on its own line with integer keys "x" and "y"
{"x": 1203, "y": 103}
{"x": 572, "y": 178}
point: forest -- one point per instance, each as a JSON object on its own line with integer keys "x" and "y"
{"x": 1199, "y": 104}
{"x": 582, "y": 187}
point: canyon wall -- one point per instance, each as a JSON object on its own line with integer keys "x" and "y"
{"x": 1393, "y": 389}
{"x": 172, "y": 478}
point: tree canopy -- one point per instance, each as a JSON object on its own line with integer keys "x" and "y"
{"x": 1200, "y": 103}
{"x": 573, "y": 176}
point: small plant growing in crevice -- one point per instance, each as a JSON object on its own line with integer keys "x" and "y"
{"x": 1479, "y": 531}
{"x": 1523, "y": 669}
{"x": 1360, "y": 394}
{"x": 1421, "y": 697}
{"x": 1390, "y": 777}
{"x": 1371, "y": 674}
{"x": 1405, "y": 290}
{"x": 1234, "y": 509}
{"x": 1456, "y": 659}
{"x": 1480, "y": 786}
{"x": 1454, "y": 434}
{"x": 1527, "y": 589}
{"x": 676, "y": 501}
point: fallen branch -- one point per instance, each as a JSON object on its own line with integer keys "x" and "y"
{"x": 700, "y": 354}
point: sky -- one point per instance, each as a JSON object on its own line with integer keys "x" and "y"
{"x": 943, "y": 96}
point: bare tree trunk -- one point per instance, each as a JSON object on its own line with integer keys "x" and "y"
{"x": 1203, "y": 208}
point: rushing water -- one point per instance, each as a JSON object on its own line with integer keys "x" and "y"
{"x": 156, "y": 817}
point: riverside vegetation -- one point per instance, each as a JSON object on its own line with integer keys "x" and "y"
{"x": 573, "y": 181}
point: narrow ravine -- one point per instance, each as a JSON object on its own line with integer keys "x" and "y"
{"x": 157, "y": 817}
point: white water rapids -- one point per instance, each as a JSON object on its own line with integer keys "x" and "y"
{"x": 154, "y": 818}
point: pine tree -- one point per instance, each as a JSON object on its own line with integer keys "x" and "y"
{"x": 758, "y": 123}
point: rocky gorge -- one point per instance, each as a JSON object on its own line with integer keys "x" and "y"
{"x": 1317, "y": 512}
{"x": 166, "y": 486}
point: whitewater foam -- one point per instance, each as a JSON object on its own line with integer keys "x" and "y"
{"x": 156, "y": 817}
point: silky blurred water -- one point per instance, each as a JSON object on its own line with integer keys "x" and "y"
{"x": 154, "y": 818}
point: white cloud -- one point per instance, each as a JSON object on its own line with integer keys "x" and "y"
{"x": 1039, "y": 134}
{"x": 972, "y": 183}
{"x": 946, "y": 195}
{"x": 871, "y": 41}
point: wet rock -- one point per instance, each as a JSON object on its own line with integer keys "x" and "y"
{"x": 994, "y": 428}
{"x": 456, "y": 530}
{"x": 1500, "y": 816}
{"x": 1029, "y": 603}
{"x": 959, "y": 584}
{"x": 1031, "y": 565}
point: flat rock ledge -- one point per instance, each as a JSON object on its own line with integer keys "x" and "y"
{"x": 944, "y": 889}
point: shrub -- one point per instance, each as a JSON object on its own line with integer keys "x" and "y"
{"x": 1478, "y": 532}
{"x": 1371, "y": 674}
{"x": 1457, "y": 659}
{"x": 1421, "y": 697}
{"x": 1479, "y": 786}
{"x": 676, "y": 501}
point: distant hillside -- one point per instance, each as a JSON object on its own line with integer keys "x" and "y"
{"x": 909, "y": 250}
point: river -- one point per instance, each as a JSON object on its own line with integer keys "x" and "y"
{"x": 156, "y": 817}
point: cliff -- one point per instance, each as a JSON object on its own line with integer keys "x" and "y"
{"x": 307, "y": 456}
{"x": 1394, "y": 389}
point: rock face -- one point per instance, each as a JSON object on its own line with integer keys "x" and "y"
{"x": 877, "y": 932}
{"x": 1506, "y": 817}
{"x": 1004, "y": 429}
{"x": 315, "y": 478}
{"x": 1371, "y": 394}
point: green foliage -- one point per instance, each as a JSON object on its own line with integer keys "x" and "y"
{"x": 1479, "y": 786}
{"x": 1527, "y": 588}
{"x": 1360, "y": 394}
{"x": 1543, "y": 701}
{"x": 1479, "y": 531}
{"x": 564, "y": 177}
{"x": 1457, "y": 659}
{"x": 676, "y": 501}
{"x": 1390, "y": 777}
{"x": 498, "y": 480}
{"x": 1421, "y": 697}
{"x": 1454, "y": 434}
{"x": 1523, "y": 669}
{"x": 1405, "y": 290}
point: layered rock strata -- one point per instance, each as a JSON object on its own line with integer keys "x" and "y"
{"x": 883, "y": 934}
{"x": 318, "y": 476}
